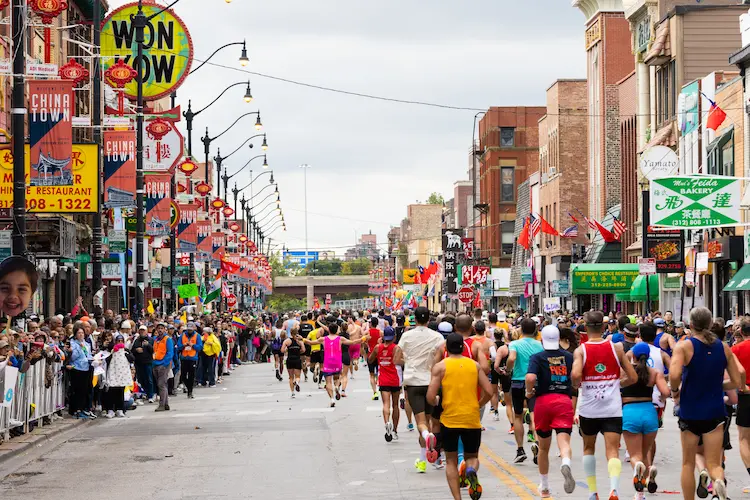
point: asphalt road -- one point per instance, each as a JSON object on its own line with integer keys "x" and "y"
{"x": 248, "y": 439}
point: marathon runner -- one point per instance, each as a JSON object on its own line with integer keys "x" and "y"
{"x": 279, "y": 336}
{"x": 741, "y": 350}
{"x": 305, "y": 327}
{"x": 459, "y": 379}
{"x": 293, "y": 347}
{"x": 418, "y": 347}
{"x": 386, "y": 354}
{"x": 482, "y": 344}
{"x": 346, "y": 360}
{"x": 548, "y": 383}
{"x": 597, "y": 369}
{"x": 696, "y": 379}
{"x": 501, "y": 378}
{"x": 659, "y": 360}
{"x": 640, "y": 421}
{"x": 373, "y": 336}
{"x": 355, "y": 351}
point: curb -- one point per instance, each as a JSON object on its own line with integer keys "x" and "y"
{"x": 39, "y": 437}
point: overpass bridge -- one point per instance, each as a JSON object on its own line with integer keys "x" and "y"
{"x": 311, "y": 286}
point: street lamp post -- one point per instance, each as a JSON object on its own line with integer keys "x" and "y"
{"x": 304, "y": 168}
{"x": 226, "y": 177}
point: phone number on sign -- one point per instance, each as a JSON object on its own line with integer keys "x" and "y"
{"x": 43, "y": 204}
{"x": 698, "y": 222}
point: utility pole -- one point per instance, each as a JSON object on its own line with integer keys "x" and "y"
{"x": 173, "y": 302}
{"x": 96, "y": 258}
{"x": 139, "y": 23}
{"x": 18, "y": 128}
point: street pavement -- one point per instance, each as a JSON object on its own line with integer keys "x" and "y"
{"x": 247, "y": 438}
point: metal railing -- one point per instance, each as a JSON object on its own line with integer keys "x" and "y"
{"x": 32, "y": 400}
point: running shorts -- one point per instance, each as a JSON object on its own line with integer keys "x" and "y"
{"x": 330, "y": 374}
{"x": 276, "y": 352}
{"x": 355, "y": 351}
{"x": 594, "y": 426}
{"x": 518, "y": 394}
{"x": 308, "y": 350}
{"x": 743, "y": 411}
{"x": 471, "y": 439}
{"x": 294, "y": 364}
{"x": 389, "y": 388}
{"x": 640, "y": 418}
{"x": 700, "y": 427}
{"x": 418, "y": 399}
{"x": 505, "y": 383}
{"x": 345, "y": 359}
{"x": 316, "y": 357}
{"x": 553, "y": 412}
{"x": 373, "y": 367}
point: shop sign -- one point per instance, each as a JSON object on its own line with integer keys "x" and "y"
{"x": 643, "y": 34}
{"x": 701, "y": 262}
{"x": 452, "y": 248}
{"x": 667, "y": 248}
{"x": 658, "y": 162}
{"x": 409, "y": 276}
{"x": 603, "y": 281}
{"x": 646, "y": 266}
{"x": 693, "y": 202}
{"x": 560, "y": 288}
{"x": 687, "y": 108}
{"x": 474, "y": 274}
{"x": 715, "y": 249}
{"x": 526, "y": 275}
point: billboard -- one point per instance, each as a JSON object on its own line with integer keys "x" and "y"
{"x": 167, "y": 53}
{"x": 119, "y": 168}
{"x": 302, "y": 258}
{"x": 80, "y": 197}
{"x": 51, "y": 132}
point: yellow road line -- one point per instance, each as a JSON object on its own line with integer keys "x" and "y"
{"x": 506, "y": 479}
{"x": 512, "y": 471}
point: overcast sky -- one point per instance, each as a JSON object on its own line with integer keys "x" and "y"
{"x": 370, "y": 158}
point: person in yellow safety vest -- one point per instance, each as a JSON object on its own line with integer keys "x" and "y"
{"x": 189, "y": 345}
{"x": 163, "y": 356}
{"x": 209, "y": 355}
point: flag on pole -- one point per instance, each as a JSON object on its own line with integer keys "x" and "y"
{"x": 183, "y": 318}
{"x": 716, "y": 115}
{"x": 606, "y": 234}
{"x": 546, "y": 227}
{"x": 237, "y": 321}
{"x": 535, "y": 227}
{"x": 523, "y": 238}
{"x": 571, "y": 232}
{"x": 574, "y": 219}
{"x": 618, "y": 228}
{"x": 228, "y": 267}
{"x": 214, "y": 292}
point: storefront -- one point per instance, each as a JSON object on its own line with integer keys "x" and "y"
{"x": 598, "y": 285}
{"x": 726, "y": 255}
{"x": 738, "y": 288}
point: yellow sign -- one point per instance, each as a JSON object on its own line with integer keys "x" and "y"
{"x": 409, "y": 276}
{"x": 80, "y": 196}
{"x": 167, "y": 49}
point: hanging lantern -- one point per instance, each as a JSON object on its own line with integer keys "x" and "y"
{"x": 235, "y": 227}
{"x": 243, "y": 238}
{"x": 48, "y": 10}
{"x": 217, "y": 203}
{"x": 120, "y": 74}
{"x": 187, "y": 167}
{"x": 227, "y": 211}
{"x": 72, "y": 70}
{"x": 203, "y": 189}
{"x": 158, "y": 128}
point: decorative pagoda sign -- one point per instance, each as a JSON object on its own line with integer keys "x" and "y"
{"x": 74, "y": 71}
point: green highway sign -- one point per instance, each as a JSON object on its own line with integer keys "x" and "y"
{"x": 81, "y": 258}
{"x": 695, "y": 202}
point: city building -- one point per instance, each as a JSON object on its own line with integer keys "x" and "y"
{"x": 366, "y": 247}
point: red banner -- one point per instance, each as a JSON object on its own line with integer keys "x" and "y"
{"x": 187, "y": 227}
{"x": 204, "y": 240}
{"x": 51, "y": 132}
{"x": 217, "y": 245}
{"x": 474, "y": 275}
{"x": 158, "y": 213}
{"x": 119, "y": 168}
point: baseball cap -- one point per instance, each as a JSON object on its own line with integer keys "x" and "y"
{"x": 679, "y": 324}
{"x": 551, "y": 337}
{"x": 630, "y": 330}
{"x": 388, "y": 333}
{"x": 641, "y": 349}
{"x": 421, "y": 314}
{"x": 191, "y": 325}
{"x": 126, "y": 324}
{"x": 445, "y": 327}
{"x": 612, "y": 321}
{"x": 560, "y": 319}
{"x": 143, "y": 327}
{"x": 501, "y": 316}
{"x": 729, "y": 323}
{"x": 660, "y": 322}
{"x": 454, "y": 343}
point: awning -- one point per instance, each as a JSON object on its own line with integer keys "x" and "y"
{"x": 602, "y": 278}
{"x": 740, "y": 281}
{"x": 638, "y": 289}
{"x": 660, "y": 52}
{"x": 665, "y": 136}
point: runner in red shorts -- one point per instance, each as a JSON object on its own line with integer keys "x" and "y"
{"x": 548, "y": 380}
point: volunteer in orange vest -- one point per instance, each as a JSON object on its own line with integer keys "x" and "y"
{"x": 163, "y": 355}
{"x": 189, "y": 345}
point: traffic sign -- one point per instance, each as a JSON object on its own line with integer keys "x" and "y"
{"x": 232, "y": 301}
{"x": 465, "y": 294}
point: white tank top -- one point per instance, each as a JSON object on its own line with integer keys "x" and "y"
{"x": 599, "y": 395}
{"x": 655, "y": 361}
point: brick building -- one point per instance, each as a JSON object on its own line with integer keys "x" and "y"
{"x": 462, "y": 202}
{"x": 629, "y": 186}
{"x": 509, "y": 147}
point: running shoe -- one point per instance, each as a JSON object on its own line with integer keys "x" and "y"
{"x": 296, "y": 386}
{"x": 315, "y": 378}
{"x": 462, "y": 482}
{"x": 421, "y": 466}
{"x": 430, "y": 444}
{"x": 388, "y": 432}
{"x": 410, "y": 427}
{"x": 475, "y": 489}
{"x": 338, "y": 394}
{"x": 651, "y": 481}
{"x": 496, "y": 417}
{"x": 570, "y": 483}
{"x": 395, "y": 435}
{"x": 375, "y": 396}
{"x": 639, "y": 477}
{"x": 520, "y": 456}
{"x": 702, "y": 489}
{"x": 613, "y": 495}
{"x": 512, "y": 429}
{"x": 333, "y": 404}
{"x": 402, "y": 403}
{"x": 530, "y": 436}
{"x": 720, "y": 490}
{"x": 343, "y": 393}
{"x": 544, "y": 492}
{"x": 535, "y": 452}
{"x": 293, "y": 395}
{"x": 526, "y": 416}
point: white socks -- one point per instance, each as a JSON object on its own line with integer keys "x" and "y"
{"x": 425, "y": 433}
{"x": 545, "y": 481}
{"x": 423, "y": 454}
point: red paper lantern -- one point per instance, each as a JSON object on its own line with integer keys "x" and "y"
{"x": 217, "y": 203}
{"x": 203, "y": 189}
{"x": 48, "y": 9}
{"x": 158, "y": 128}
{"x": 234, "y": 227}
{"x": 4, "y": 3}
{"x": 243, "y": 238}
{"x": 120, "y": 74}
{"x": 72, "y": 70}
{"x": 228, "y": 211}
{"x": 187, "y": 167}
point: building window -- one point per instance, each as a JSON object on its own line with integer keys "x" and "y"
{"x": 507, "y": 183}
{"x": 507, "y": 137}
{"x": 507, "y": 239}
{"x": 721, "y": 154}
{"x": 666, "y": 87}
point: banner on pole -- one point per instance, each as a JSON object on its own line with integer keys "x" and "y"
{"x": 119, "y": 168}
{"x": 158, "y": 212}
{"x": 187, "y": 227}
{"x": 51, "y": 132}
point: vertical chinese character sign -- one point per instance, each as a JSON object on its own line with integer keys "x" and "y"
{"x": 452, "y": 248}
{"x": 158, "y": 202}
{"x": 51, "y": 132}
{"x": 119, "y": 168}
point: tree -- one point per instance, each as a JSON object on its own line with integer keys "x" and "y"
{"x": 277, "y": 267}
{"x": 281, "y": 303}
{"x": 356, "y": 267}
{"x": 436, "y": 199}
{"x": 323, "y": 268}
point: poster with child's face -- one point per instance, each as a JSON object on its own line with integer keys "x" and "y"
{"x": 18, "y": 281}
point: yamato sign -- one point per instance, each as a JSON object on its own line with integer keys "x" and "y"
{"x": 695, "y": 202}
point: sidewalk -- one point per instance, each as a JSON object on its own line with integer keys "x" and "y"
{"x": 39, "y": 436}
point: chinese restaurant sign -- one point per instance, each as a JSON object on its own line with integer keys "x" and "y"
{"x": 695, "y": 202}
{"x": 603, "y": 281}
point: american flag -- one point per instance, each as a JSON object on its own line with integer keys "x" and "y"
{"x": 535, "y": 226}
{"x": 618, "y": 228}
{"x": 571, "y": 232}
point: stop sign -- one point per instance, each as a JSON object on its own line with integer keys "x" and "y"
{"x": 232, "y": 301}
{"x": 465, "y": 294}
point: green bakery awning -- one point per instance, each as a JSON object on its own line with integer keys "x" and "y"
{"x": 740, "y": 281}
{"x": 638, "y": 288}
{"x": 589, "y": 279}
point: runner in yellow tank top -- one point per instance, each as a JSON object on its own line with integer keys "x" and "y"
{"x": 459, "y": 377}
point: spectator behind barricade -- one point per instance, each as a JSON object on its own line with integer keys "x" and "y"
{"x": 143, "y": 351}
{"x": 162, "y": 360}
{"x": 209, "y": 355}
{"x": 80, "y": 377}
{"x": 119, "y": 376}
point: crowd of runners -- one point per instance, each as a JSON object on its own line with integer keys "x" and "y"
{"x": 548, "y": 376}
